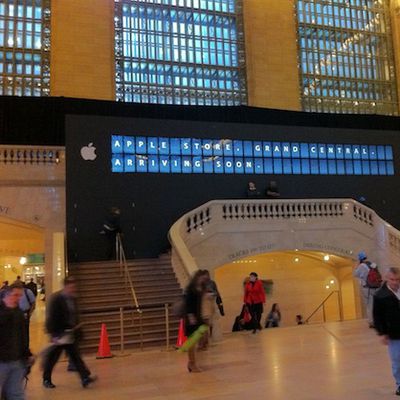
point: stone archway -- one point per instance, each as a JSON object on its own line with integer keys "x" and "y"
{"x": 41, "y": 207}
{"x": 301, "y": 281}
{"x": 18, "y": 239}
{"x": 222, "y": 232}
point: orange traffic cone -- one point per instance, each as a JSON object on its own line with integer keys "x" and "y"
{"x": 104, "y": 346}
{"x": 181, "y": 334}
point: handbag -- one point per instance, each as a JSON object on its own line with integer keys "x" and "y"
{"x": 247, "y": 316}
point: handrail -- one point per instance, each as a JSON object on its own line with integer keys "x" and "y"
{"x": 323, "y": 307}
{"x": 149, "y": 307}
{"x": 114, "y": 309}
{"x": 121, "y": 258}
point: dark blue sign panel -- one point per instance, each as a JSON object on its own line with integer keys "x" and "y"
{"x": 141, "y": 154}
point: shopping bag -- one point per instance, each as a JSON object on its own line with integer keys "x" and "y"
{"x": 193, "y": 338}
{"x": 246, "y": 316}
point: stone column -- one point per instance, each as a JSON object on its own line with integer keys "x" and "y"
{"x": 395, "y": 19}
{"x": 82, "y": 49}
{"x": 271, "y": 54}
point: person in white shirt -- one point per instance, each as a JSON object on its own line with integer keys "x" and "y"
{"x": 367, "y": 292}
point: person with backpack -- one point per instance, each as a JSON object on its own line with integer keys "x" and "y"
{"x": 370, "y": 281}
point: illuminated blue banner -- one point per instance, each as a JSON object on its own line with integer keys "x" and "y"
{"x": 142, "y": 154}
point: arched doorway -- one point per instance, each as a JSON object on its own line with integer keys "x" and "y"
{"x": 298, "y": 280}
{"x": 21, "y": 250}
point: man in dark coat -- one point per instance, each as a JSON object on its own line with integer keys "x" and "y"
{"x": 15, "y": 357}
{"x": 386, "y": 313}
{"x": 32, "y": 286}
{"x": 62, "y": 324}
{"x": 111, "y": 228}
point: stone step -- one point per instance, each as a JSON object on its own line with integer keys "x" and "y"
{"x": 172, "y": 289}
{"x": 115, "y": 275}
{"x": 138, "y": 285}
{"x": 94, "y": 328}
{"x": 149, "y": 298}
{"x": 93, "y": 314}
{"x": 87, "y": 282}
{"x": 104, "y": 269}
{"x": 128, "y": 322}
{"x": 133, "y": 263}
{"x": 103, "y": 291}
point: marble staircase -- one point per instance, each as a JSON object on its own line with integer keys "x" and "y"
{"x": 102, "y": 291}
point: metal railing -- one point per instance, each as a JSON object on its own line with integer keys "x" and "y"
{"x": 124, "y": 270}
{"x": 322, "y": 305}
{"x": 133, "y": 311}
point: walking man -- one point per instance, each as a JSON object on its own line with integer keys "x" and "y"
{"x": 27, "y": 304}
{"x": 63, "y": 326}
{"x": 32, "y": 286}
{"x": 15, "y": 357}
{"x": 386, "y": 312}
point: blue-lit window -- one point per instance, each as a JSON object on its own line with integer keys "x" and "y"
{"x": 346, "y": 56}
{"x": 25, "y": 47}
{"x": 180, "y": 52}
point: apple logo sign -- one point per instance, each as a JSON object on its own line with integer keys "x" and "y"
{"x": 88, "y": 152}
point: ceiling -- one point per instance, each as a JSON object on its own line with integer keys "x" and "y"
{"x": 18, "y": 238}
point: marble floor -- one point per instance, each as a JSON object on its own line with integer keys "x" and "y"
{"x": 332, "y": 361}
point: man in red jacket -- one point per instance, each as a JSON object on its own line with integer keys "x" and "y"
{"x": 254, "y": 298}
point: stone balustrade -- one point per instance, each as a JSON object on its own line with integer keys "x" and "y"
{"x": 339, "y": 226}
{"x": 31, "y": 155}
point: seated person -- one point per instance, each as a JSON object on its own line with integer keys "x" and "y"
{"x": 272, "y": 191}
{"x": 243, "y": 321}
{"x": 274, "y": 317}
{"x": 252, "y": 192}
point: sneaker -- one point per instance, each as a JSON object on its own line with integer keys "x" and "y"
{"x": 398, "y": 391}
{"x": 87, "y": 381}
{"x": 48, "y": 384}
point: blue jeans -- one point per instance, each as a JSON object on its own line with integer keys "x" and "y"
{"x": 394, "y": 353}
{"x": 11, "y": 380}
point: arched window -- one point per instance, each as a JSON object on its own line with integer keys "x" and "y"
{"x": 180, "y": 52}
{"x": 346, "y": 56}
{"x": 25, "y": 47}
